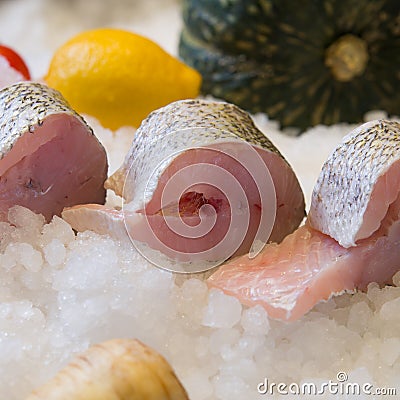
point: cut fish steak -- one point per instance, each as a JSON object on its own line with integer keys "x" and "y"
{"x": 49, "y": 156}
{"x": 199, "y": 164}
{"x": 350, "y": 239}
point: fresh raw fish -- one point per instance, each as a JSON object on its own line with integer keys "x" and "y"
{"x": 49, "y": 156}
{"x": 193, "y": 168}
{"x": 351, "y": 236}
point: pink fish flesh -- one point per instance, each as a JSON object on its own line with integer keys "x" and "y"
{"x": 225, "y": 166}
{"x": 363, "y": 173}
{"x": 50, "y": 158}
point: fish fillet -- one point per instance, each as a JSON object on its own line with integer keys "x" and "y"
{"x": 351, "y": 237}
{"x": 191, "y": 150}
{"x": 49, "y": 156}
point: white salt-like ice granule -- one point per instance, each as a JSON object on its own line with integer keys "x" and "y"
{"x": 380, "y": 296}
{"x": 231, "y": 387}
{"x": 255, "y": 320}
{"x": 248, "y": 345}
{"x": 193, "y": 297}
{"x": 222, "y": 311}
{"x": 23, "y": 254}
{"x": 55, "y": 252}
{"x": 390, "y": 350}
{"x": 57, "y": 229}
{"x": 198, "y": 383}
{"x": 91, "y": 288}
{"x": 222, "y": 338}
{"x": 9, "y": 257}
{"x": 60, "y": 293}
{"x": 25, "y": 218}
{"x": 6, "y": 231}
{"x": 178, "y": 342}
{"x": 390, "y": 310}
{"x": 30, "y": 258}
{"x": 359, "y": 317}
{"x": 375, "y": 114}
{"x": 194, "y": 290}
{"x": 98, "y": 289}
{"x": 242, "y": 367}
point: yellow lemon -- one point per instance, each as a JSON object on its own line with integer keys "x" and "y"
{"x": 118, "y": 76}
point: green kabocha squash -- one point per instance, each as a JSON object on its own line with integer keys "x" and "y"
{"x": 304, "y": 62}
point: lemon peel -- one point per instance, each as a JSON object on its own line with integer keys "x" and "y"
{"x": 118, "y": 76}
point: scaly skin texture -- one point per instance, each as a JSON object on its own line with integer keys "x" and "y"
{"x": 211, "y": 149}
{"x": 155, "y": 145}
{"x": 49, "y": 157}
{"x": 348, "y": 179}
{"x": 357, "y": 196}
{"x": 25, "y": 105}
{"x": 120, "y": 369}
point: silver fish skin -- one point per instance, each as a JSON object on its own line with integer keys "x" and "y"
{"x": 25, "y": 105}
{"x": 345, "y": 186}
{"x": 199, "y": 123}
{"x": 50, "y": 157}
{"x": 194, "y": 153}
{"x": 309, "y": 266}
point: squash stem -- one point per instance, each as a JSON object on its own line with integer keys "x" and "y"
{"x": 347, "y": 57}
